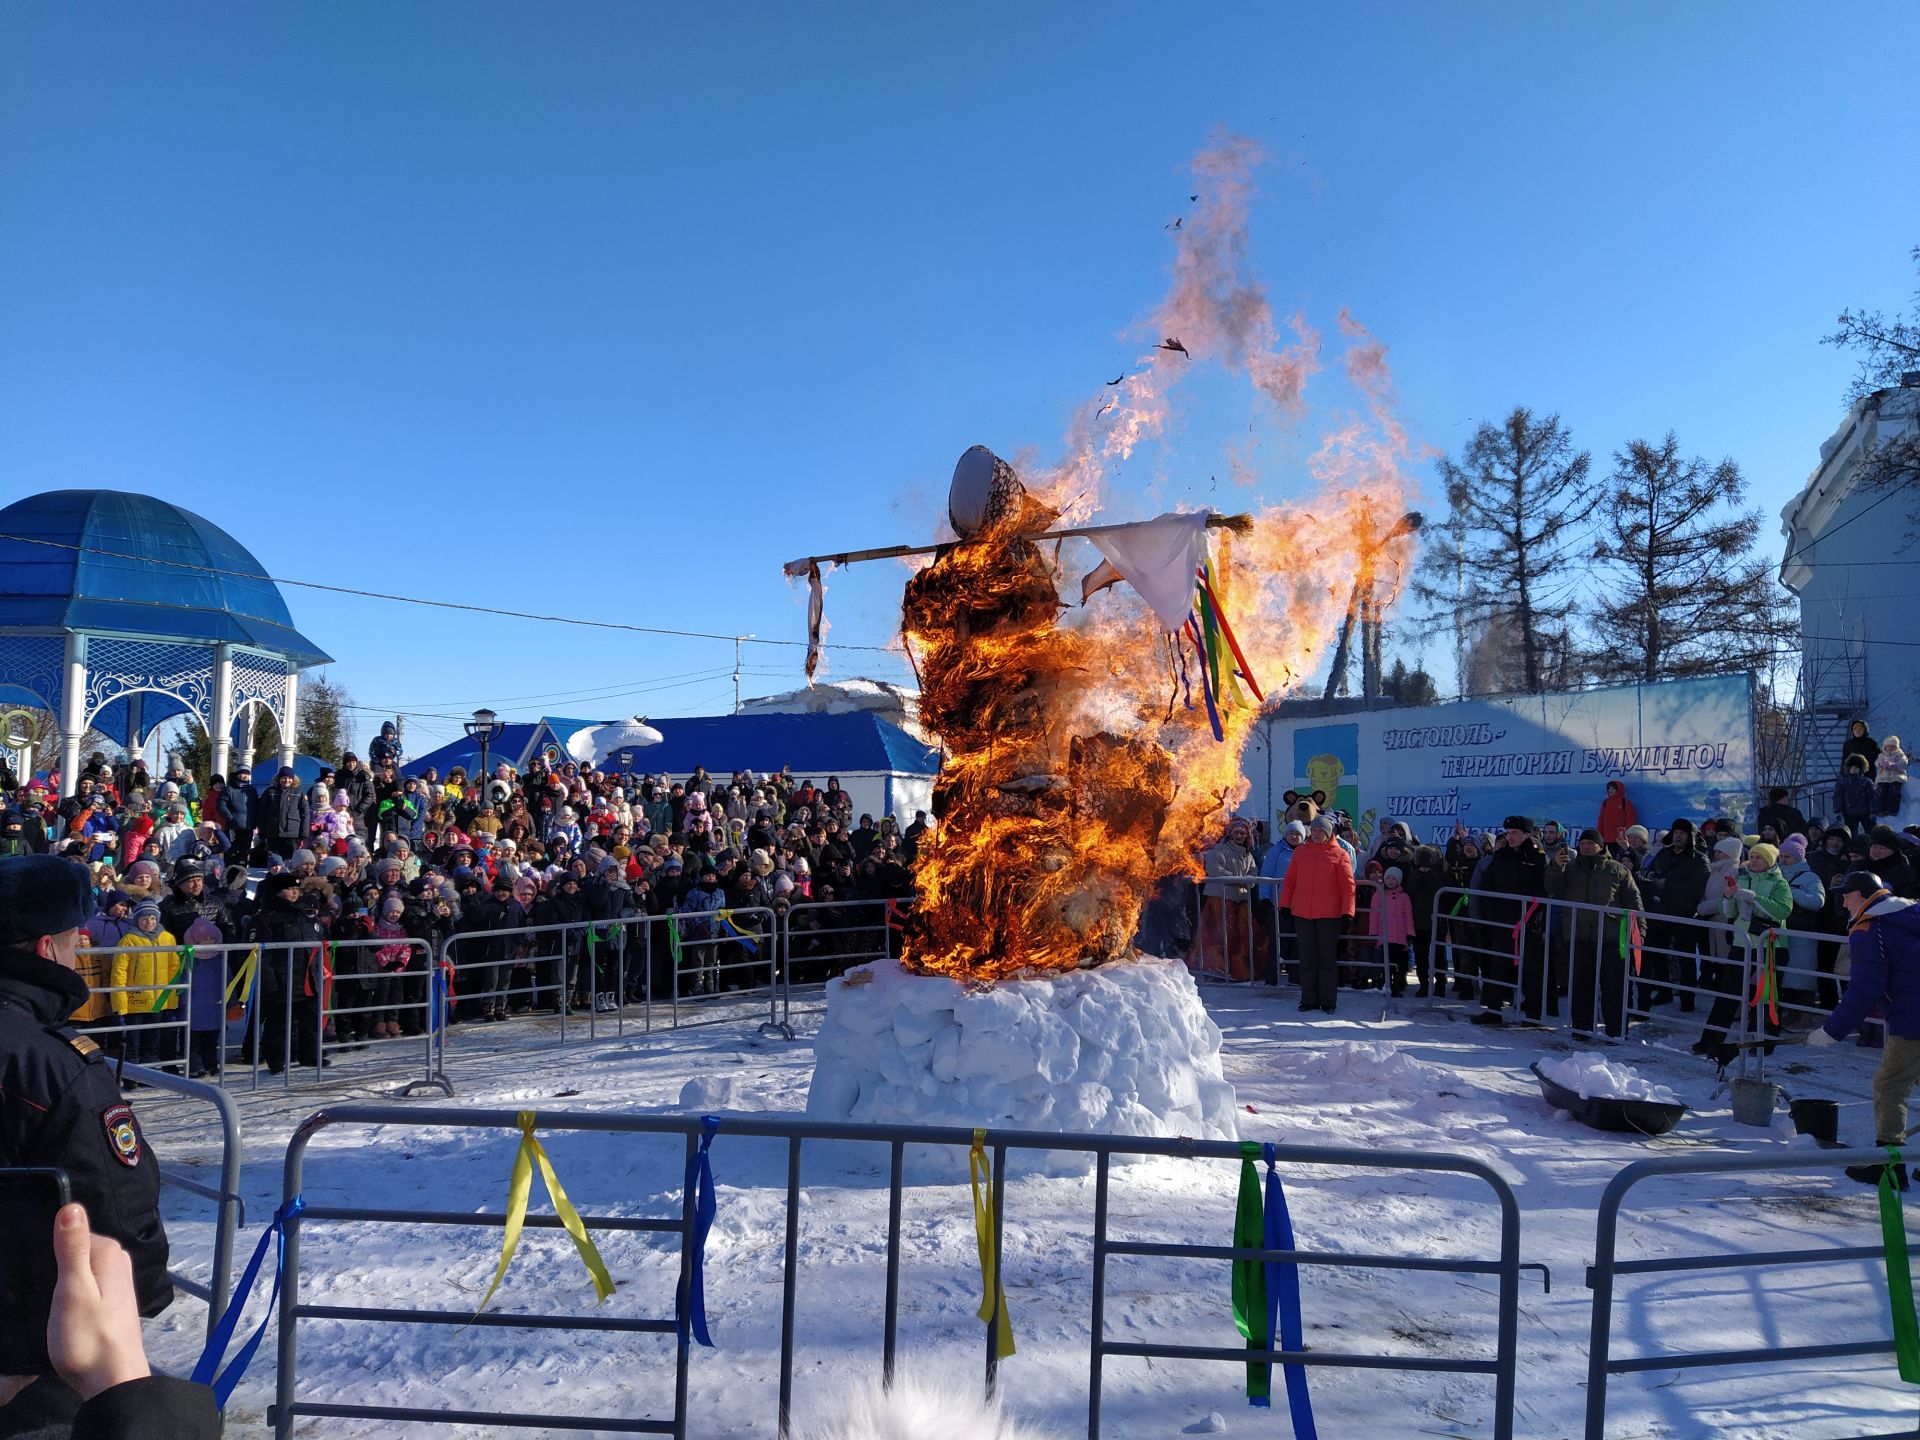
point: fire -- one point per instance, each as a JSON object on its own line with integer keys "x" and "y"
{"x": 1077, "y": 777}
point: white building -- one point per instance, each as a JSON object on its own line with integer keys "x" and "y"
{"x": 1853, "y": 559}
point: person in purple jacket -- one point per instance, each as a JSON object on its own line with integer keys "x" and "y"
{"x": 1883, "y": 941}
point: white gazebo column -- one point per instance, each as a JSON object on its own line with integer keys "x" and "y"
{"x": 222, "y": 724}
{"x": 290, "y": 718}
{"x": 136, "y": 713}
{"x": 73, "y": 712}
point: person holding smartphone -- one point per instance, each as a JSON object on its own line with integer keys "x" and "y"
{"x": 61, "y": 1108}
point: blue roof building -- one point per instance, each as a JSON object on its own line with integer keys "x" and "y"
{"x": 120, "y": 611}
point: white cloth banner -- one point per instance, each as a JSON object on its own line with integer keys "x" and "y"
{"x": 1159, "y": 558}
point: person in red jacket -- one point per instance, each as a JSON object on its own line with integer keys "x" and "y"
{"x": 1616, "y": 813}
{"x": 1318, "y": 893}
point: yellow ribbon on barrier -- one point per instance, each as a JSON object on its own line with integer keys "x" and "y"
{"x": 517, "y": 1190}
{"x": 242, "y": 980}
{"x": 993, "y": 1302}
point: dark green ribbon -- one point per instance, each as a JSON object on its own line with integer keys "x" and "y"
{"x": 1250, "y": 1276}
{"x": 1893, "y": 1232}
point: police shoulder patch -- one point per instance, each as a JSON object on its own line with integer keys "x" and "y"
{"x": 84, "y": 1045}
{"x": 123, "y": 1134}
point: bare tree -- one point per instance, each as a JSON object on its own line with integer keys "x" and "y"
{"x": 1679, "y": 591}
{"x": 1508, "y": 557}
{"x": 1887, "y": 351}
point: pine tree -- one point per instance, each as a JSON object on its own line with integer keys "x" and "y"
{"x": 1680, "y": 592}
{"x": 1410, "y": 687}
{"x": 322, "y": 728}
{"x": 194, "y": 748}
{"x": 1504, "y": 560}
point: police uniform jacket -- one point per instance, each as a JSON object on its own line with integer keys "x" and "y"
{"x": 61, "y": 1106}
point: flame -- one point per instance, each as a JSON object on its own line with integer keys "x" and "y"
{"x": 1076, "y": 776}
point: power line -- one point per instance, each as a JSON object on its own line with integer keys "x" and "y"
{"x": 431, "y": 604}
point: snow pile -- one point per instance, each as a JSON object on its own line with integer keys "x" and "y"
{"x": 1591, "y": 1077}
{"x": 1124, "y": 1049}
{"x": 1370, "y": 1066}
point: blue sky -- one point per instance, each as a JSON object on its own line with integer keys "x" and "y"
{"x": 607, "y": 310}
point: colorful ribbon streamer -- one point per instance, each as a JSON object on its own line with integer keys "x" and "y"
{"x": 1893, "y": 1234}
{"x": 1767, "y": 987}
{"x": 993, "y": 1295}
{"x": 1283, "y": 1301}
{"x": 690, "y": 1314}
{"x": 1250, "y": 1309}
{"x": 1630, "y": 939}
{"x": 1520, "y": 929}
{"x": 745, "y": 937}
{"x": 173, "y": 986}
{"x": 242, "y": 979}
{"x": 518, "y": 1187}
{"x": 207, "y": 1371}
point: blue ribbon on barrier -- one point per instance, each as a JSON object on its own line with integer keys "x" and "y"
{"x": 442, "y": 1007}
{"x": 692, "y": 1316}
{"x": 745, "y": 937}
{"x": 207, "y": 1371}
{"x": 1283, "y": 1299}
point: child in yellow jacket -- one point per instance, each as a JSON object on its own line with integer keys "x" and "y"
{"x": 144, "y": 961}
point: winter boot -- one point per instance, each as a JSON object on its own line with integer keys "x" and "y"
{"x": 1870, "y": 1174}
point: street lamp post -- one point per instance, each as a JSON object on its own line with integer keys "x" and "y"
{"x": 482, "y": 728}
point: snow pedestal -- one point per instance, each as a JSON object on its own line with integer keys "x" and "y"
{"x": 1124, "y": 1049}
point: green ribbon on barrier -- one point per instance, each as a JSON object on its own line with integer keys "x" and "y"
{"x": 1458, "y": 906}
{"x": 176, "y": 984}
{"x": 1893, "y": 1234}
{"x": 673, "y": 939}
{"x": 1250, "y": 1276}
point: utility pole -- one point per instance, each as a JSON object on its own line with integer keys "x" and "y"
{"x": 736, "y": 672}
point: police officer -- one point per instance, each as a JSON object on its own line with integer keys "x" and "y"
{"x": 59, "y": 1104}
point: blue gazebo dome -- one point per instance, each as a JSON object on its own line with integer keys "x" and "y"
{"x": 168, "y": 574}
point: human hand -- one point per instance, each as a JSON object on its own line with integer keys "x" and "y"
{"x": 93, "y": 1330}
{"x": 1819, "y": 1036}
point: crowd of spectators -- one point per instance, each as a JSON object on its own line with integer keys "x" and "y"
{"x": 1324, "y": 905}
{"x": 397, "y": 864}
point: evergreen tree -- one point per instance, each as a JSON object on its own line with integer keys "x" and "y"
{"x": 322, "y": 728}
{"x": 1410, "y": 687}
{"x": 1680, "y": 592}
{"x": 194, "y": 748}
{"x": 1517, "y": 500}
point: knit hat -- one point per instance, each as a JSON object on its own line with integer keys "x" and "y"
{"x": 1295, "y": 831}
{"x": 1794, "y": 848}
{"x": 1885, "y": 835}
{"x": 1767, "y": 854}
{"x": 1637, "y": 832}
{"x": 331, "y": 866}
{"x": 301, "y": 857}
{"x": 1590, "y": 833}
{"x": 1393, "y": 874}
{"x": 760, "y": 862}
{"x": 144, "y": 909}
{"x": 1322, "y": 825}
{"x": 1729, "y": 848}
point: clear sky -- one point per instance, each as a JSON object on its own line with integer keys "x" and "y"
{"x": 606, "y": 310}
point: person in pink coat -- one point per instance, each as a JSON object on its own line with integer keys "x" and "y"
{"x": 1391, "y": 918}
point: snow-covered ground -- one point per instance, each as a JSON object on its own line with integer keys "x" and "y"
{"x": 1383, "y": 1074}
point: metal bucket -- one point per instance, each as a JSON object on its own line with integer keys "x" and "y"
{"x": 1754, "y": 1101}
{"x": 1818, "y": 1118}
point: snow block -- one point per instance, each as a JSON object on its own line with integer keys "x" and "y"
{"x": 1124, "y": 1049}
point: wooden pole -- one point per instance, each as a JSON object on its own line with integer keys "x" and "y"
{"x": 1238, "y": 523}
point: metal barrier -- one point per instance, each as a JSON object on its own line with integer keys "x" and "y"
{"x": 828, "y": 934}
{"x": 1601, "y": 1276}
{"x": 565, "y": 962}
{"x": 230, "y": 1209}
{"x": 130, "y": 1033}
{"x": 288, "y": 1406}
{"x": 1245, "y": 892}
{"x": 309, "y": 1000}
{"x": 703, "y": 946}
{"x": 1518, "y": 959}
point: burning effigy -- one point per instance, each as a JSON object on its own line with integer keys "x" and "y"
{"x": 1091, "y": 739}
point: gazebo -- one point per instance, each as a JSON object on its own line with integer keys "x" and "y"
{"x": 119, "y": 612}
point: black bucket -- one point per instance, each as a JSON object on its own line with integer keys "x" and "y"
{"x": 1818, "y": 1118}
